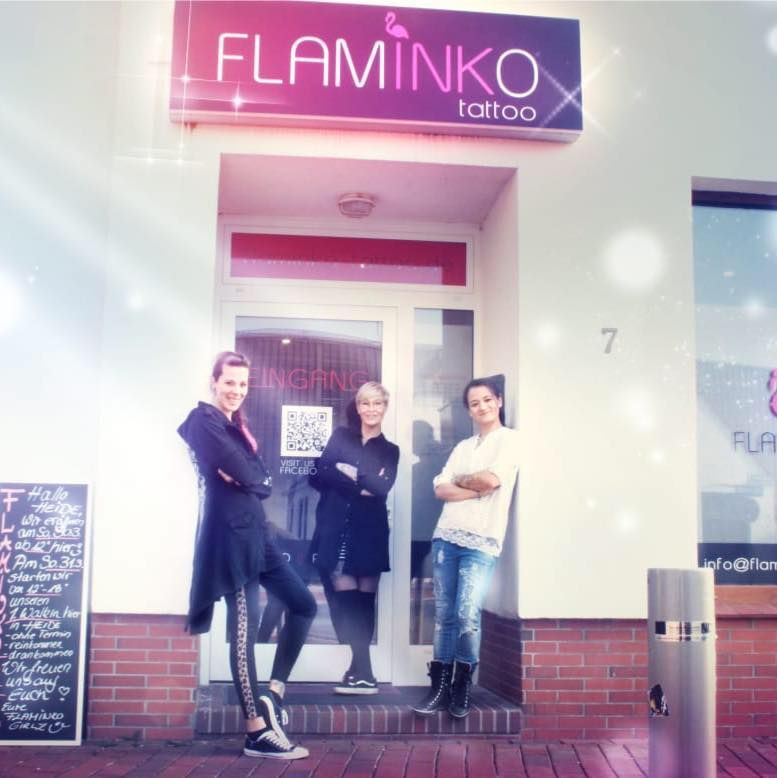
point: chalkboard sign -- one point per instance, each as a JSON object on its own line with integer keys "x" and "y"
{"x": 43, "y": 545}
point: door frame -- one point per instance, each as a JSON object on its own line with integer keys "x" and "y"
{"x": 319, "y": 662}
{"x": 263, "y": 297}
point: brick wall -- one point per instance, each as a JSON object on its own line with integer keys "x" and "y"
{"x": 747, "y": 677}
{"x": 588, "y": 678}
{"x": 142, "y": 676}
{"x": 573, "y": 678}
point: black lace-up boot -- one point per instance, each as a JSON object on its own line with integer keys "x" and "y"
{"x": 439, "y": 696}
{"x": 460, "y": 689}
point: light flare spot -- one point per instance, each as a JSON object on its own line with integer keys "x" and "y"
{"x": 136, "y": 302}
{"x": 657, "y": 456}
{"x": 548, "y": 336}
{"x": 754, "y": 308}
{"x": 10, "y": 304}
{"x": 637, "y": 406}
{"x": 627, "y": 521}
{"x": 634, "y": 261}
{"x": 771, "y": 40}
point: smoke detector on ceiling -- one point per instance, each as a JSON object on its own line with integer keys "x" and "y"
{"x": 356, "y": 205}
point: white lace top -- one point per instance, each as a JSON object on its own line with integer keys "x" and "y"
{"x": 480, "y": 523}
{"x": 469, "y": 540}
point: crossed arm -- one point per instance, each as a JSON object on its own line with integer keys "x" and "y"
{"x": 352, "y": 472}
{"x": 374, "y": 479}
{"x": 218, "y": 449}
{"x": 468, "y": 487}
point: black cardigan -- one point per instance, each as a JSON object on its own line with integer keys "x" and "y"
{"x": 344, "y": 513}
{"x": 232, "y": 546}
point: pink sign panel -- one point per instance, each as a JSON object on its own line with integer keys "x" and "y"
{"x": 381, "y": 260}
{"x": 376, "y": 67}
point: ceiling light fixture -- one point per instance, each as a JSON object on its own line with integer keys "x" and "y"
{"x": 356, "y": 205}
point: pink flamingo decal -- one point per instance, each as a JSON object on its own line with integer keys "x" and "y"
{"x": 773, "y": 388}
{"x": 397, "y": 30}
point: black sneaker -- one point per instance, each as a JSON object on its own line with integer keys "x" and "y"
{"x": 272, "y": 713}
{"x": 353, "y": 684}
{"x": 280, "y": 711}
{"x": 270, "y": 745}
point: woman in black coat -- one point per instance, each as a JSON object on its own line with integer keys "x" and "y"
{"x": 350, "y": 545}
{"x": 234, "y": 553}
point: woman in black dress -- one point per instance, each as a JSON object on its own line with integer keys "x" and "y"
{"x": 350, "y": 546}
{"x": 234, "y": 554}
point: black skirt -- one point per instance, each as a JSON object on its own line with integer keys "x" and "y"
{"x": 354, "y": 542}
{"x": 352, "y": 531}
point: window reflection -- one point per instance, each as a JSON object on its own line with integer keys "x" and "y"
{"x": 443, "y": 365}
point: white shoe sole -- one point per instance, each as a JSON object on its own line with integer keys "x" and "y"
{"x": 298, "y": 753}
{"x": 425, "y": 712}
{"x": 355, "y": 690}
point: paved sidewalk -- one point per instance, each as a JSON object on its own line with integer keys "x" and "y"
{"x": 373, "y": 757}
{"x": 343, "y": 757}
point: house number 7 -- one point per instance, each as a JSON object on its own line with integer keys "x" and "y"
{"x": 611, "y": 332}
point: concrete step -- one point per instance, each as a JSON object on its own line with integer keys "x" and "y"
{"x": 314, "y": 709}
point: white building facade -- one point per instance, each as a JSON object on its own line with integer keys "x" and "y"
{"x": 119, "y": 284}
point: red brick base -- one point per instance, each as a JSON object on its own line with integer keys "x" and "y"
{"x": 142, "y": 677}
{"x": 573, "y": 678}
{"x": 588, "y": 678}
{"x": 576, "y": 679}
{"x": 747, "y": 677}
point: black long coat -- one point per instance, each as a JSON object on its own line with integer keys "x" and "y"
{"x": 232, "y": 545}
{"x": 343, "y": 512}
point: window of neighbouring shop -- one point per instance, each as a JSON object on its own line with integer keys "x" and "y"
{"x": 735, "y": 264}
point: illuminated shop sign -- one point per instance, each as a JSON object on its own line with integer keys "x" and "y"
{"x": 376, "y": 67}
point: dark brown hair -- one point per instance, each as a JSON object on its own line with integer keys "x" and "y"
{"x": 493, "y": 385}
{"x": 235, "y": 359}
{"x": 231, "y": 358}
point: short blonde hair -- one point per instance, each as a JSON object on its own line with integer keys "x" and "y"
{"x": 372, "y": 387}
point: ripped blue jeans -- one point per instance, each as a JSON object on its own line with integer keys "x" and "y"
{"x": 461, "y": 579}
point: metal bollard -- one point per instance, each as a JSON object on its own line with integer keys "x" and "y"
{"x": 681, "y": 673}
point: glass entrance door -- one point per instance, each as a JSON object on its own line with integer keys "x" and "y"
{"x": 305, "y": 371}
{"x": 308, "y": 360}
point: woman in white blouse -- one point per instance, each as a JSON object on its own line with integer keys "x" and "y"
{"x": 476, "y": 485}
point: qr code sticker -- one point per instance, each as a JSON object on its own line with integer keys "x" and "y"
{"x": 305, "y": 430}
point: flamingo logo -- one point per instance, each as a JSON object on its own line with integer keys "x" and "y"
{"x": 772, "y": 385}
{"x": 397, "y": 30}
